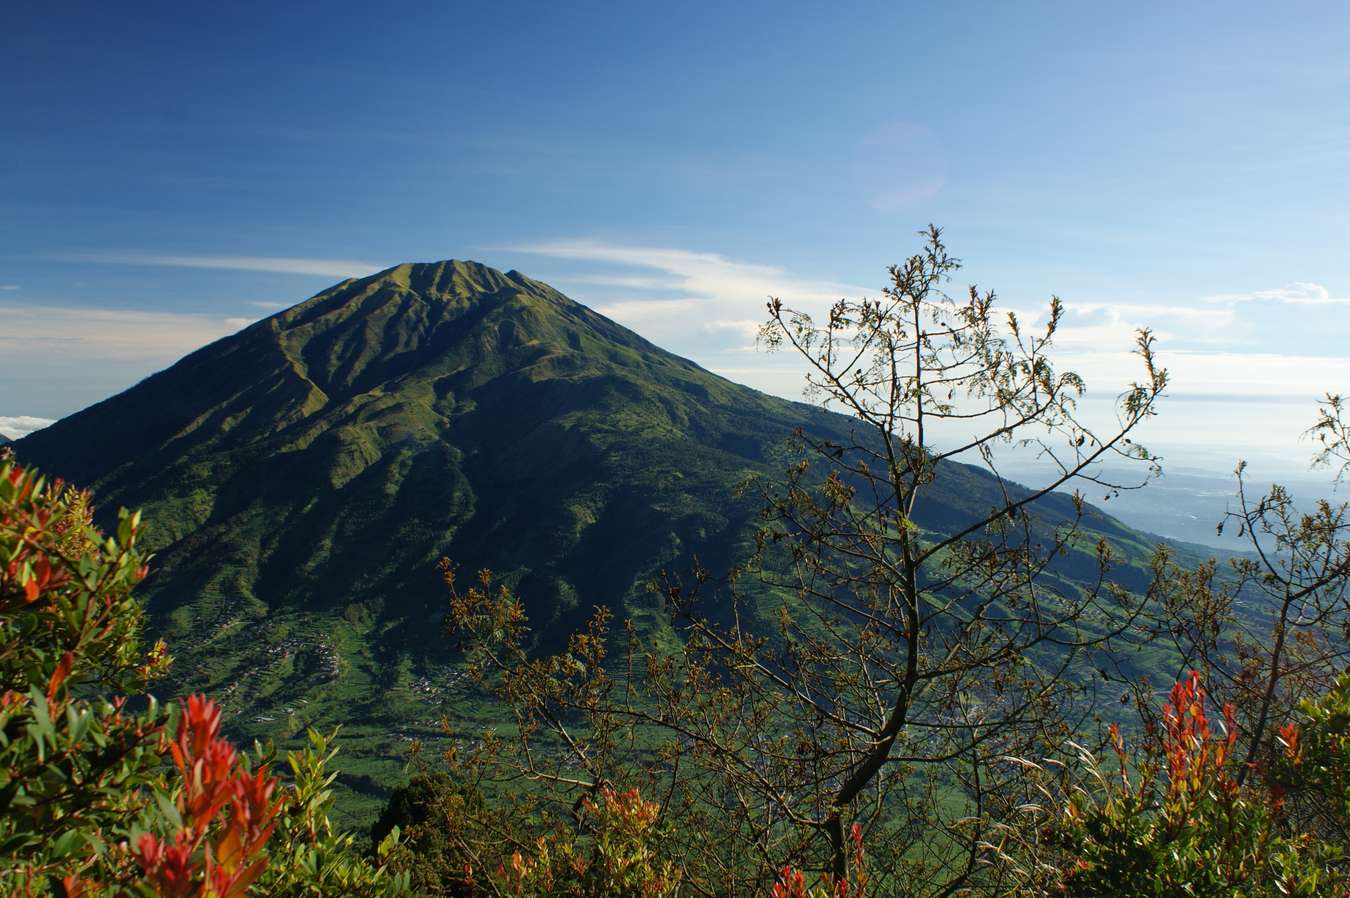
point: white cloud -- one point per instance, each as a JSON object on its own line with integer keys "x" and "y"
{"x": 86, "y": 336}
{"x": 712, "y": 294}
{"x": 1202, "y": 342}
{"x": 15, "y": 426}
{"x": 271, "y": 304}
{"x": 1211, "y": 347}
{"x": 1108, "y": 326}
{"x": 9, "y": 286}
{"x": 339, "y": 268}
{"x": 1299, "y": 293}
{"x": 631, "y": 282}
{"x": 1215, "y": 373}
{"x": 708, "y": 275}
{"x": 638, "y": 311}
{"x": 746, "y": 327}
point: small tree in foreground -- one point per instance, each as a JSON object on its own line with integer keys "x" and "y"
{"x": 872, "y": 662}
{"x": 1270, "y": 630}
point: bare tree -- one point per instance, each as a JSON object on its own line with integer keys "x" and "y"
{"x": 881, "y": 654}
{"x": 1272, "y": 627}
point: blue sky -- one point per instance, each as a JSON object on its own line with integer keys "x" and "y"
{"x": 167, "y": 175}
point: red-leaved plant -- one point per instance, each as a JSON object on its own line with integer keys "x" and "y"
{"x": 227, "y": 812}
{"x": 1178, "y": 820}
{"x": 792, "y": 882}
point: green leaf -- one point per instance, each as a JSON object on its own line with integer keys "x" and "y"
{"x": 168, "y": 809}
{"x": 68, "y": 843}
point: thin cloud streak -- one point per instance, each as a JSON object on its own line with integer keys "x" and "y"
{"x": 339, "y": 268}
{"x": 708, "y": 298}
{"x": 709, "y": 275}
{"x": 630, "y": 282}
{"x": 1299, "y": 293}
{"x": 636, "y": 311}
{"x": 91, "y": 335}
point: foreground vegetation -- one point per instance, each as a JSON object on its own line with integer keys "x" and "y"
{"x": 106, "y": 792}
{"x": 866, "y": 705}
{"x": 103, "y": 800}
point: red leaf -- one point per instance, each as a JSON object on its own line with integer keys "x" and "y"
{"x": 62, "y": 671}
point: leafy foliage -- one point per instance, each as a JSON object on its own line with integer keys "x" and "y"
{"x": 1175, "y": 820}
{"x": 611, "y": 844}
{"x": 619, "y": 859}
{"x": 76, "y": 772}
{"x": 98, "y": 800}
{"x": 1310, "y": 775}
{"x": 220, "y": 822}
{"x": 433, "y": 813}
{"x": 310, "y": 857}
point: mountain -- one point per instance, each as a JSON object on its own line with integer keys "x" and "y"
{"x": 301, "y": 478}
{"x": 4, "y": 440}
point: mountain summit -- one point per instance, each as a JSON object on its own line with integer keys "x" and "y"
{"x": 330, "y": 454}
{"x": 301, "y": 478}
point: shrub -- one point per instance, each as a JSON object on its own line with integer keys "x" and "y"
{"x": 1310, "y": 777}
{"x": 1176, "y": 821}
{"x": 79, "y": 772}
{"x": 619, "y": 860}
{"x": 310, "y": 859}
{"x": 433, "y": 813}
{"x": 460, "y": 845}
{"x": 100, "y": 800}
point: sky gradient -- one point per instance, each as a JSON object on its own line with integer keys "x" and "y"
{"x": 169, "y": 175}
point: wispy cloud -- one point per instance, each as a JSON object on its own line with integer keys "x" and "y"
{"x": 15, "y": 426}
{"x": 9, "y": 286}
{"x": 709, "y": 300}
{"x": 1214, "y": 372}
{"x": 1299, "y": 293}
{"x": 1233, "y": 343}
{"x": 631, "y": 281}
{"x": 709, "y": 276}
{"x": 91, "y": 335}
{"x": 637, "y": 311}
{"x": 339, "y": 268}
{"x": 1109, "y": 325}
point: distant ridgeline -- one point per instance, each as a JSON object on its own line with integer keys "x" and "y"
{"x": 301, "y": 478}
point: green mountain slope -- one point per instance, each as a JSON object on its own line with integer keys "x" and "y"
{"x": 302, "y": 477}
